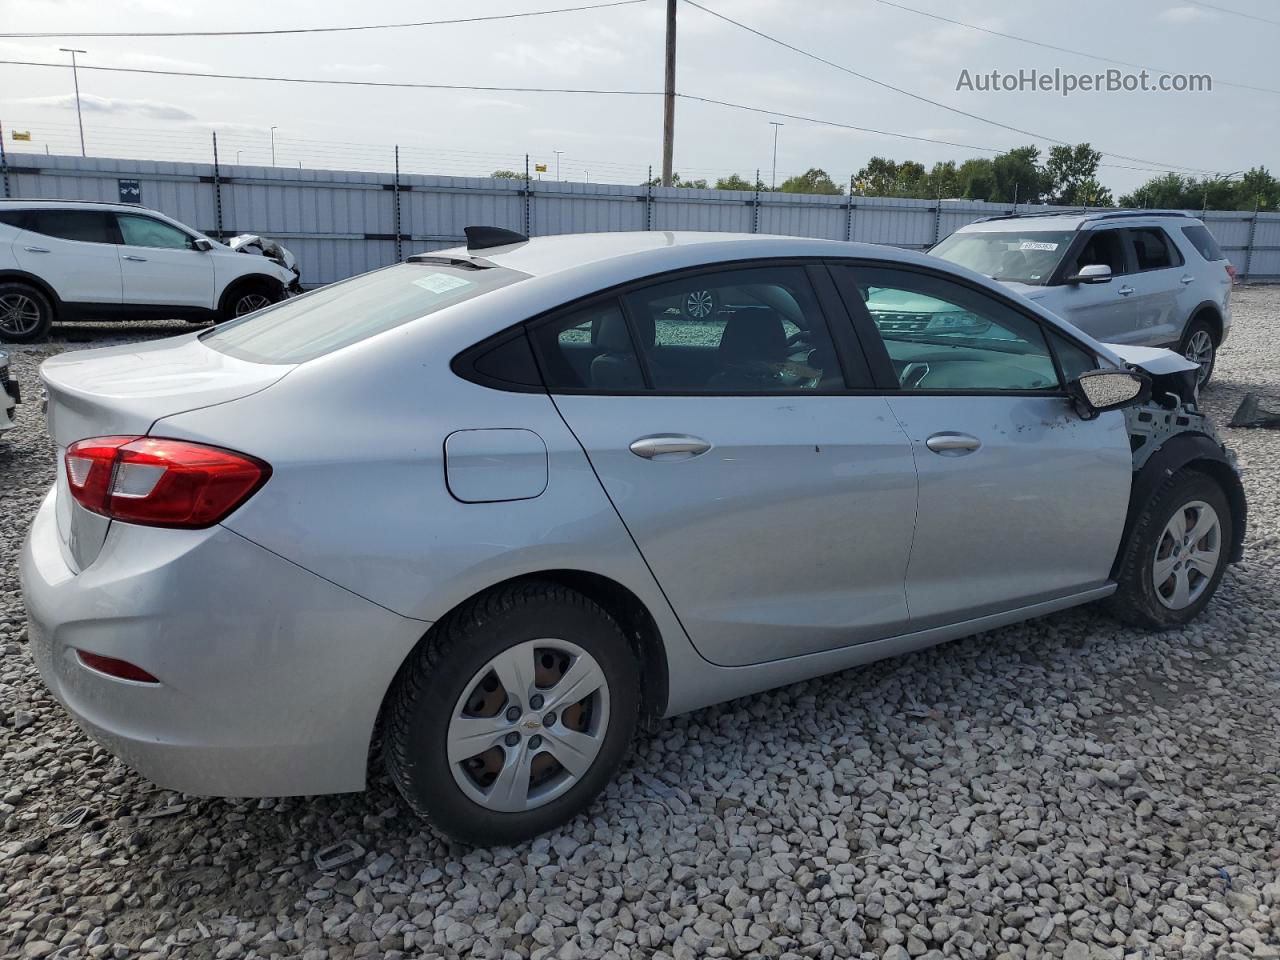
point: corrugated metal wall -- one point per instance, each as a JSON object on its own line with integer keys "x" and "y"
{"x": 341, "y": 223}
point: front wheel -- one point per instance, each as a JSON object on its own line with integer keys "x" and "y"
{"x": 248, "y": 299}
{"x": 1176, "y": 554}
{"x": 513, "y": 714}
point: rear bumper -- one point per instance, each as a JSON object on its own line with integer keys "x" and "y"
{"x": 271, "y": 678}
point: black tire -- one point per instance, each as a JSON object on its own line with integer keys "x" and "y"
{"x": 1137, "y": 602}
{"x": 1200, "y": 332}
{"x": 17, "y": 301}
{"x": 247, "y": 297}
{"x": 437, "y": 675}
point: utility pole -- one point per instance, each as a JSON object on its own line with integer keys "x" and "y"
{"x": 273, "y": 146}
{"x": 75, "y": 77}
{"x": 773, "y": 180}
{"x": 557, "y": 153}
{"x": 669, "y": 97}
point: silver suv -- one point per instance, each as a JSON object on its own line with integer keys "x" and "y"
{"x": 1148, "y": 278}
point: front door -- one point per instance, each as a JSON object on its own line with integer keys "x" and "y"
{"x": 160, "y": 266}
{"x": 1105, "y": 311}
{"x": 774, "y": 507}
{"x": 1020, "y": 499}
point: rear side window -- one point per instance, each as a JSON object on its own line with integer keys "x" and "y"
{"x": 1204, "y": 242}
{"x": 1152, "y": 249}
{"x": 86, "y": 226}
{"x": 15, "y": 218}
{"x": 336, "y": 316}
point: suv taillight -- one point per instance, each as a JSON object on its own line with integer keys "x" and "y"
{"x": 1231, "y": 272}
{"x": 159, "y": 482}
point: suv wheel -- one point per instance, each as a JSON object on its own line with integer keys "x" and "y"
{"x": 513, "y": 714}
{"x": 25, "y": 313}
{"x": 1199, "y": 346}
{"x": 1176, "y": 554}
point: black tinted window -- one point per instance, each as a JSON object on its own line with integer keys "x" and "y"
{"x": 1151, "y": 248}
{"x": 589, "y": 349}
{"x": 87, "y": 226}
{"x": 1204, "y": 242}
{"x": 1103, "y": 247}
{"x": 15, "y": 218}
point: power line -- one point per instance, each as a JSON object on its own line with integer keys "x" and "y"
{"x": 1234, "y": 13}
{"x": 1058, "y": 49}
{"x": 297, "y": 30}
{"x": 924, "y": 99}
{"x": 339, "y": 83}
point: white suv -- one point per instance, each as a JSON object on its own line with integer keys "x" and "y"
{"x": 73, "y": 259}
{"x": 1147, "y": 278}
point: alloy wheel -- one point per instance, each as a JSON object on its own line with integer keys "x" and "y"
{"x": 19, "y": 314}
{"x": 1187, "y": 555}
{"x": 528, "y": 725}
{"x": 699, "y": 304}
{"x": 251, "y": 302}
{"x": 1200, "y": 351}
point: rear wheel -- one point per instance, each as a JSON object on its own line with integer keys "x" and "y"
{"x": 513, "y": 714}
{"x": 26, "y": 314}
{"x": 1176, "y": 554}
{"x": 1200, "y": 346}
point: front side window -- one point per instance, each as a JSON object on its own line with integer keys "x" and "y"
{"x": 1152, "y": 250}
{"x": 1102, "y": 247}
{"x": 1019, "y": 256}
{"x": 85, "y": 226}
{"x": 146, "y": 232}
{"x": 941, "y": 335}
{"x": 344, "y": 313}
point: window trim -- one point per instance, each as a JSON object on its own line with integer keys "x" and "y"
{"x": 838, "y": 327}
{"x": 878, "y": 353}
{"x": 1176, "y": 258}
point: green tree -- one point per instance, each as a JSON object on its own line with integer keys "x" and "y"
{"x": 699, "y": 184}
{"x": 813, "y": 180}
{"x": 735, "y": 182}
{"x": 508, "y": 175}
{"x": 1018, "y": 177}
{"x": 1073, "y": 176}
{"x": 976, "y": 179}
{"x": 1171, "y": 191}
{"x": 1257, "y": 186}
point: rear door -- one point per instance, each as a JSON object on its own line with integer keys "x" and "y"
{"x": 1156, "y": 284}
{"x": 773, "y": 503}
{"x": 160, "y": 265}
{"x": 1021, "y": 501}
{"x": 75, "y": 251}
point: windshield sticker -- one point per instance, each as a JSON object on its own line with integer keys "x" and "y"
{"x": 1037, "y": 245}
{"x": 440, "y": 282}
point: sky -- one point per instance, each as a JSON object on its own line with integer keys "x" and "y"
{"x": 616, "y": 138}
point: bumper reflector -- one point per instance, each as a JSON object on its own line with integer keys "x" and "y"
{"x": 121, "y": 669}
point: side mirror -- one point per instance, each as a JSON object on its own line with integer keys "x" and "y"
{"x": 202, "y": 244}
{"x": 1093, "y": 273}
{"x": 1098, "y": 391}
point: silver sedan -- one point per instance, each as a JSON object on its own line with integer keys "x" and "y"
{"x": 504, "y": 503}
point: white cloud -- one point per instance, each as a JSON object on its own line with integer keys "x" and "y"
{"x": 91, "y": 103}
{"x": 1182, "y": 14}
{"x": 566, "y": 57}
{"x": 355, "y": 68}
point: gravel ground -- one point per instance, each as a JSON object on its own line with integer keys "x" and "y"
{"x": 1063, "y": 788}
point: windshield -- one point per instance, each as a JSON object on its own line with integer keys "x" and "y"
{"x": 1021, "y": 256}
{"x": 341, "y": 314}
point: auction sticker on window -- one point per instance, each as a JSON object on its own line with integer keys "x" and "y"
{"x": 440, "y": 282}
{"x": 1037, "y": 245}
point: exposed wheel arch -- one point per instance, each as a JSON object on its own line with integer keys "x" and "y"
{"x": 241, "y": 285}
{"x": 1210, "y": 314}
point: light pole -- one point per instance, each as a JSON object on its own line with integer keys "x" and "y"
{"x": 238, "y": 152}
{"x": 273, "y": 146}
{"x": 75, "y": 77}
{"x": 773, "y": 178}
{"x": 557, "y": 153}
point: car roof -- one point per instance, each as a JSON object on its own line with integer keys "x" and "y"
{"x": 35, "y": 203}
{"x": 655, "y": 251}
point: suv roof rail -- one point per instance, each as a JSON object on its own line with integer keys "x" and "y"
{"x": 1087, "y": 216}
{"x": 105, "y": 203}
{"x": 1118, "y": 214}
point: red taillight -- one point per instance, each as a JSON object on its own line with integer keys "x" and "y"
{"x": 159, "y": 482}
{"x": 115, "y": 668}
{"x": 1232, "y": 273}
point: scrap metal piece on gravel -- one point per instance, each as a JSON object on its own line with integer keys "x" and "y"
{"x": 69, "y": 820}
{"x": 1250, "y": 415}
{"x": 338, "y": 854}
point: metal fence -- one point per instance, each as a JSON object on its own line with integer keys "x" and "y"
{"x": 340, "y": 223}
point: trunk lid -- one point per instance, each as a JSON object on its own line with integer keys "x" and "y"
{"x": 123, "y": 390}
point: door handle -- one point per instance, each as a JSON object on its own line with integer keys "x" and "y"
{"x": 1125, "y": 291}
{"x": 37, "y": 249}
{"x": 1188, "y": 280}
{"x": 952, "y": 444}
{"x": 669, "y": 446}
{"x": 129, "y": 256}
